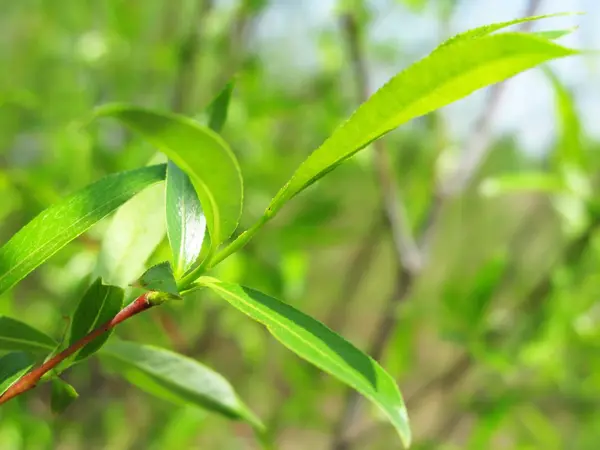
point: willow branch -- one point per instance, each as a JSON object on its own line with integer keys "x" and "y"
{"x": 32, "y": 378}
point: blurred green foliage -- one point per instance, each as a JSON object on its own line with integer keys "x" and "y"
{"x": 496, "y": 347}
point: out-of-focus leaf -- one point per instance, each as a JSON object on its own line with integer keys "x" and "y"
{"x": 98, "y": 305}
{"x": 131, "y": 237}
{"x": 12, "y": 367}
{"x": 186, "y": 224}
{"x": 554, "y": 34}
{"x": 201, "y": 153}
{"x": 570, "y": 149}
{"x": 61, "y": 223}
{"x": 176, "y": 378}
{"x": 16, "y": 335}
{"x": 63, "y": 394}
{"x": 522, "y": 182}
{"x": 316, "y": 343}
{"x": 159, "y": 278}
{"x": 446, "y": 75}
{"x": 218, "y": 108}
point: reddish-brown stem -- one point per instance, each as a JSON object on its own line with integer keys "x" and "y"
{"x": 30, "y": 379}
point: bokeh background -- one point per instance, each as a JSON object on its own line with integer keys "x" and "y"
{"x": 496, "y": 342}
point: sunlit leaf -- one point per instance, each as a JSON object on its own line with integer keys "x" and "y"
{"x": 201, "y": 154}
{"x": 485, "y": 30}
{"x": 99, "y": 304}
{"x": 16, "y": 335}
{"x": 176, "y": 378}
{"x": 322, "y": 347}
{"x": 61, "y": 223}
{"x": 451, "y": 72}
{"x": 186, "y": 224}
{"x": 62, "y": 395}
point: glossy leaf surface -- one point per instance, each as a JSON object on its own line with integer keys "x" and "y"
{"x": 186, "y": 223}
{"x": 319, "y": 345}
{"x": 64, "y": 221}
{"x": 201, "y": 154}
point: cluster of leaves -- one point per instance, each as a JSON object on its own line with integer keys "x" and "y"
{"x": 204, "y": 193}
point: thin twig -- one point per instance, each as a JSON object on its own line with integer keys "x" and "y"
{"x": 31, "y": 379}
{"x": 413, "y": 257}
{"x": 359, "y": 263}
{"x": 185, "y": 82}
{"x": 407, "y": 252}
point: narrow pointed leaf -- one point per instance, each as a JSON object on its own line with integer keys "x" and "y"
{"x": 218, "y": 108}
{"x": 176, "y": 378}
{"x": 450, "y": 73}
{"x": 316, "y": 343}
{"x": 484, "y": 30}
{"x": 201, "y": 154}
{"x": 99, "y": 304}
{"x": 159, "y": 278}
{"x": 62, "y": 395}
{"x": 186, "y": 224}
{"x": 570, "y": 152}
{"x": 554, "y": 34}
{"x": 12, "y": 367}
{"x": 16, "y": 335}
{"x": 61, "y": 223}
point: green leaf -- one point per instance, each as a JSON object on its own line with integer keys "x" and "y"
{"x": 134, "y": 232}
{"x": 12, "y": 367}
{"x": 522, "y": 182}
{"x": 64, "y": 221}
{"x": 98, "y": 305}
{"x": 63, "y": 394}
{"x": 322, "y": 347}
{"x": 485, "y": 30}
{"x": 16, "y": 335}
{"x": 176, "y": 378}
{"x": 218, "y": 108}
{"x": 201, "y": 154}
{"x": 186, "y": 224}
{"x": 554, "y": 34}
{"x": 159, "y": 278}
{"x": 450, "y": 73}
{"x": 570, "y": 152}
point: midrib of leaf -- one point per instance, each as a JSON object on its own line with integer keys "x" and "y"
{"x": 347, "y": 132}
{"x": 213, "y": 207}
{"x": 183, "y": 243}
{"x": 60, "y": 234}
{"x": 94, "y": 322}
{"x": 261, "y": 314}
{"x": 29, "y": 343}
